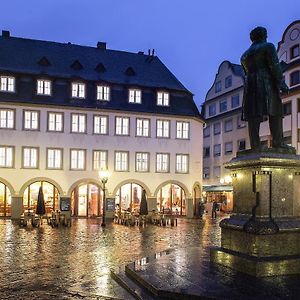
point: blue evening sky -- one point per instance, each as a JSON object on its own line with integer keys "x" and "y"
{"x": 191, "y": 37}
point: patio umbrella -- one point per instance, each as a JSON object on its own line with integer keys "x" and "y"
{"x": 40, "y": 207}
{"x": 144, "y": 205}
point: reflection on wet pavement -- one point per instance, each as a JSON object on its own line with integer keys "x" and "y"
{"x": 64, "y": 263}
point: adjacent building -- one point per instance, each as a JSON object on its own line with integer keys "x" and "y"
{"x": 68, "y": 111}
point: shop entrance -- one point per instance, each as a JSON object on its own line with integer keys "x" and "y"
{"x": 5, "y": 201}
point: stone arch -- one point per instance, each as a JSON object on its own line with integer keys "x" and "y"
{"x": 197, "y": 187}
{"x": 27, "y": 183}
{"x": 10, "y": 187}
{"x": 84, "y": 181}
{"x": 142, "y": 184}
{"x": 183, "y": 186}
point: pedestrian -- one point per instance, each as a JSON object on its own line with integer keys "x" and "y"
{"x": 200, "y": 209}
{"x": 214, "y": 210}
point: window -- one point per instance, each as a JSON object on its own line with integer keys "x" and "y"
{"x": 235, "y": 101}
{"x": 240, "y": 122}
{"x": 54, "y": 158}
{"x": 162, "y": 162}
{"x": 7, "y": 118}
{"x": 228, "y": 81}
{"x": 206, "y": 131}
{"x": 77, "y": 159}
{"x": 121, "y": 161}
{"x": 212, "y": 109}
{"x": 143, "y": 127}
{"x": 241, "y": 145}
{"x": 217, "y": 150}
{"x": 228, "y": 148}
{"x": 30, "y": 157}
{"x": 43, "y": 87}
{"x": 228, "y": 125}
{"x": 7, "y": 84}
{"x": 163, "y": 128}
{"x": 206, "y": 151}
{"x": 287, "y": 139}
{"x": 182, "y": 163}
{"x": 135, "y": 96}
{"x": 31, "y": 120}
{"x": 287, "y": 108}
{"x": 217, "y": 171}
{"x": 295, "y": 78}
{"x": 218, "y": 86}
{"x": 142, "y": 162}
{"x": 182, "y": 130}
{"x": 78, "y": 123}
{"x": 122, "y": 126}
{"x": 6, "y": 156}
{"x": 99, "y": 160}
{"x": 223, "y": 105}
{"x": 163, "y": 98}
{"x": 206, "y": 173}
{"x": 100, "y": 124}
{"x": 78, "y": 90}
{"x": 55, "y": 121}
{"x": 217, "y": 128}
{"x": 103, "y": 93}
{"x": 295, "y": 51}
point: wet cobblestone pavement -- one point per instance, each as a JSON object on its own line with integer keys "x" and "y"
{"x": 75, "y": 263}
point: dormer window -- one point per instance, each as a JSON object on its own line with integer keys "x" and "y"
{"x": 218, "y": 86}
{"x": 43, "y": 87}
{"x": 295, "y": 51}
{"x": 103, "y": 92}
{"x": 7, "y": 84}
{"x": 78, "y": 90}
{"x": 163, "y": 98}
{"x": 135, "y": 96}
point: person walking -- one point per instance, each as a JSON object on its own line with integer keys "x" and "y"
{"x": 214, "y": 210}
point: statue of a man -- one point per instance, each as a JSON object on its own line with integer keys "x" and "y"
{"x": 263, "y": 83}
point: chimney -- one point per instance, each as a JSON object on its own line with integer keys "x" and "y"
{"x": 5, "y": 33}
{"x": 101, "y": 45}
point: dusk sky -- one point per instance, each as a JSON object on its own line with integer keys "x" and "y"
{"x": 191, "y": 37}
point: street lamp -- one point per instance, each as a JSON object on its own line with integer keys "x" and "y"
{"x": 103, "y": 174}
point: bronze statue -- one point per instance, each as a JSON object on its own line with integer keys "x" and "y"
{"x": 263, "y": 84}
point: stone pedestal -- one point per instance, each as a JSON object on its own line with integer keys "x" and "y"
{"x": 262, "y": 237}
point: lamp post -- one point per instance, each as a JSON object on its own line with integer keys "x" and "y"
{"x": 103, "y": 174}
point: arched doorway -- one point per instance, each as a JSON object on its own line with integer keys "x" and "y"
{"x": 51, "y": 196}
{"x": 171, "y": 200}
{"x": 128, "y": 197}
{"x": 87, "y": 200}
{"x": 5, "y": 201}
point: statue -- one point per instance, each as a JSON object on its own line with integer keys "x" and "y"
{"x": 263, "y": 84}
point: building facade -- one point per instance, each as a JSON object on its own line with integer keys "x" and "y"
{"x": 68, "y": 111}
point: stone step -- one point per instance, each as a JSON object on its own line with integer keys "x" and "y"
{"x": 137, "y": 291}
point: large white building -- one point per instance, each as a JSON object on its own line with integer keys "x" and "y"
{"x": 67, "y": 111}
{"x": 225, "y": 133}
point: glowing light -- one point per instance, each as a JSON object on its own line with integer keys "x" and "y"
{"x": 228, "y": 179}
{"x": 222, "y": 180}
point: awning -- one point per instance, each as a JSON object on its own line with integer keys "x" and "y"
{"x": 217, "y": 188}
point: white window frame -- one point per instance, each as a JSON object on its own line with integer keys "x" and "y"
{"x": 55, "y": 121}
{"x": 122, "y": 126}
{"x": 206, "y": 172}
{"x": 78, "y": 90}
{"x": 182, "y": 130}
{"x": 142, "y": 127}
{"x": 182, "y": 163}
{"x": 54, "y": 158}
{"x": 121, "y": 161}
{"x": 7, "y": 118}
{"x": 163, "y": 128}
{"x": 100, "y": 159}
{"x": 162, "y": 162}
{"x": 78, "y": 123}
{"x": 100, "y": 124}
{"x": 7, "y": 154}
{"x": 43, "y": 87}
{"x": 31, "y": 120}
{"x": 142, "y": 160}
{"x": 30, "y": 157}
{"x": 103, "y": 92}
{"x": 163, "y": 98}
{"x": 135, "y": 96}
{"x": 77, "y": 159}
{"x": 7, "y": 84}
